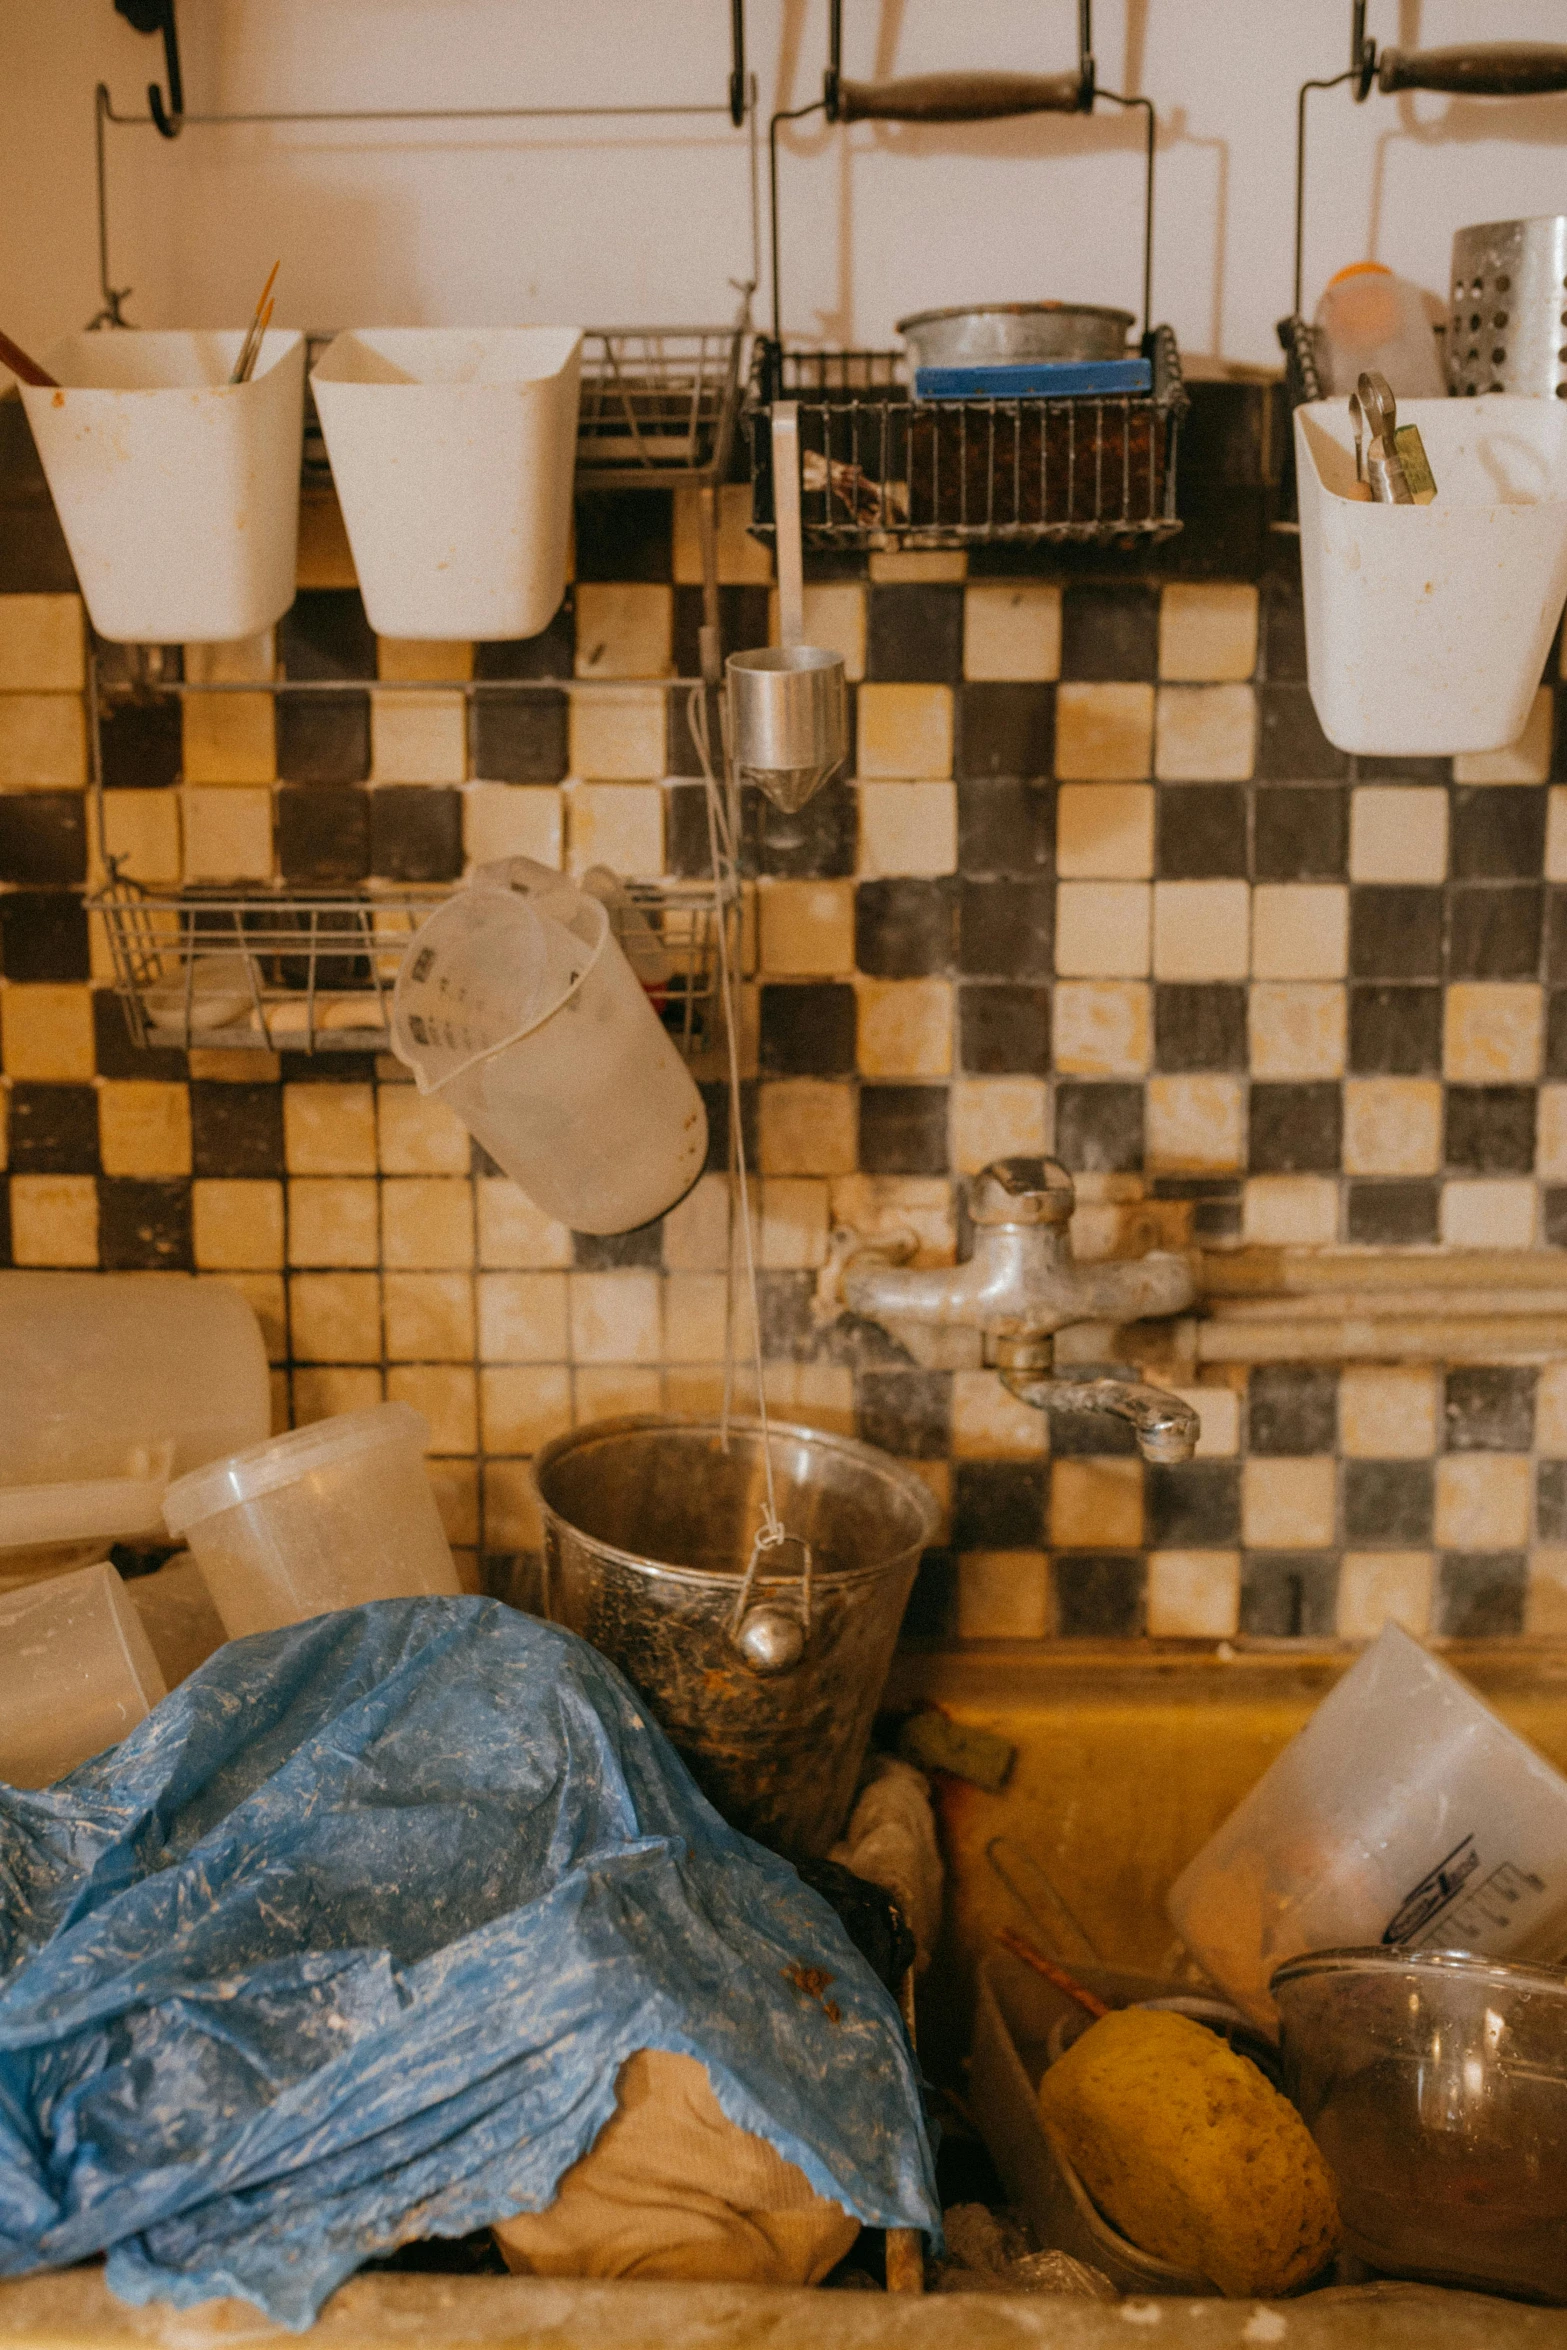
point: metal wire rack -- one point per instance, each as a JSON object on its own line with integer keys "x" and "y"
{"x": 658, "y": 404}
{"x": 882, "y": 469}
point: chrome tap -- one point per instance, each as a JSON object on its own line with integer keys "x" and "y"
{"x": 1020, "y": 1286}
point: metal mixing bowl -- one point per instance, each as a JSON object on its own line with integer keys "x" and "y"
{"x": 989, "y": 332}
{"x": 1435, "y": 2084}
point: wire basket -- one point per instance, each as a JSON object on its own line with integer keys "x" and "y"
{"x": 315, "y": 975}
{"x": 882, "y": 469}
{"x": 658, "y": 404}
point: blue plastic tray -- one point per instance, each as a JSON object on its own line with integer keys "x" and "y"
{"x": 1035, "y": 379}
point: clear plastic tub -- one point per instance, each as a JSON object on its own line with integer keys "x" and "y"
{"x": 1405, "y": 1814}
{"x": 454, "y": 454}
{"x": 326, "y": 1517}
{"x": 1368, "y": 318}
{"x": 177, "y": 491}
{"x": 77, "y": 1672}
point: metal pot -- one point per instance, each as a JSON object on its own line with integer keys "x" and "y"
{"x": 1505, "y": 329}
{"x": 1003, "y": 331}
{"x": 769, "y": 1691}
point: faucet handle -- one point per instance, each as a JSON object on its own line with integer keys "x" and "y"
{"x": 1022, "y": 1191}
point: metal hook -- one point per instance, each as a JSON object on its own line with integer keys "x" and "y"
{"x": 1357, "y": 421}
{"x": 737, "y": 89}
{"x": 157, "y": 16}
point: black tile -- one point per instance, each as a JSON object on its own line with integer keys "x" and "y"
{"x": 743, "y": 618}
{"x": 906, "y": 1412}
{"x": 1394, "y": 932}
{"x": 1392, "y": 1215}
{"x": 688, "y": 852}
{"x": 816, "y": 843}
{"x": 328, "y": 1069}
{"x": 1480, "y": 1594}
{"x": 323, "y": 835}
{"x": 1289, "y": 1595}
{"x": 1555, "y": 934}
{"x": 1109, "y": 631}
{"x": 1233, "y": 431}
{"x": 1406, "y": 770}
{"x": 1193, "y": 1505}
{"x": 1395, "y": 1031}
{"x": 1099, "y": 1594}
{"x": 114, "y": 1054}
{"x": 932, "y": 1613}
{"x": 789, "y": 1332}
{"x": 808, "y": 1030}
{"x": 43, "y": 837}
{"x": 1099, "y": 1128}
{"x": 1090, "y": 1435}
{"x": 1202, "y": 831}
{"x": 1003, "y": 1029}
{"x": 903, "y": 929}
{"x": 1490, "y": 1129}
{"x": 1550, "y": 1502}
{"x": 903, "y": 1129}
{"x": 1199, "y": 1026}
{"x": 622, "y": 537}
{"x": 1291, "y": 746}
{"x": 1556, "y": 1033}
{"x": 236, "y": 1130}
{"x": 415, "y": 832}
{"x": 1494, "y": 932}
{"x": 1006, "y": 825}
{"x": 53, "y": 1130}
{"x": 143, "y": 1226}
{"x": 552, "y": 653}
{"x": 1295, "y": 1129}
{"x": 1489, "y": 1407}
{"x": 1006, "y": 929}
{"x": 1497, "y": 832}
{"x": 141, "y": 744}
{"x": 595, "y": 1252}
{"x": 1302, "y": 833}
{"x": 1006, "y": 729}
{"x": 1292, "y": 1408}
{"x": 1389, "y": 1502}
{"x": 913, "y": 635}
{"x": 1283, "y": 630}
{"x": 521, "y": 737}
{"x": 325, "y": 634}
{"x": 34, "y": 558}
{"x": 43, "y": 935}
{"x": 998, "y": 1505}
{"x": 323, "y": 738}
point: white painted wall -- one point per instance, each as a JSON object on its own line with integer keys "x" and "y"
{"x": 609, "y": 221}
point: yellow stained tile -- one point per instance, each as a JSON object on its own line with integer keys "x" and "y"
{"x": 615, "y": 1316}
{"x": 1003, "y": 1595}
{"x": 219, "y": 1066}
{"x": 1219, "y": 1411}
{"x": 1550, "y": 1153}
{"x": 1201, "y": 929}
{"x": 522, "y": 1317}
{"x": 807, "y": 927}
{"x": 143, "y": 1127}
{"x": 42, "y": 646}
{"x": 1398, "y": 832}
{"x": 455, "y": 1487}
{"x": 229, "y": 738}
{"x": 816, "y": 1395}
{"x": 1528, "y": 760}
{"x": 1545, "y": 1603}
{"x": 513, "y": 820}
{"x": 1207, "y": 633}
{"x": 1100, "y": 1028}
{"x": 267, "y": 1297}
{"x": 1104, "y": 831}
{"x": 1096, "y": 1504}
{"x": 1290, "y": 1211}
{"x": 513, "y": 1232}
{"x": 1392, "y": 1126}
{"x": 511, "y": 1508}
{"x": 997, "y": 1118}
{"x": 1287, "y": 1504}
{"x": 907, "y": 828}
{"x": 227, "y": 833}
{"x": 694, "y": 1317}
{"x": 921, "y": 1204}
{"x": 618, "y": 736}
{"x": 988, "y": 1424}
{"x": 43, "y": 740}
{"x": 794, "y": 1223}
{"x": 1104, "y": 733}
{"x": 606, "y": 1391}
{"x": 325, "y": 558}
{"x": 1482, "y": 1501}
{"x": 419, "y": 1135}
{"x": 1102, "y": 929}
{"x": 808, "y": 1126}
{"x": 742, "y": 560}
{"x": 1194, "y": 1594}
{"x": 1377, "y": 1587}
{"x": 1195, "y": 1125}
{"x": 446, "y": 1394}
{"x": 1205, "y": 734}
{"x": 142, "y": 829}
{"x": 696, "y": 1230}
{"x": 905, "y": 1027}
{"x": 523, "y": 1405}
{"x": 427, "y": 1223}
{"x": 918, "y": 566}
{"x": 54, "y": 1220}
{"x": 429, "y": 1317}
{"x": 1550, "y": 1412}
{"x": 1389, "y": 1411}
{"x": 322, "y": 1392}
{"x": 620, "y": 825}
{"x": 47, "y": 1032}
{"x": 329, "y": 1129}
{"x": 416, "y": 660}
{"x": 904, "y": 732}
{"x": 418, "y": 738}
{"x": 1012, "y": 630}
{"x": 335, "y": 1317}
{"x": 1296, "y": 1031}
{"x": 1556, "y": 834}
{"x": 1299, "y": 930}
{"x": 625, "y": 629}
{"x": 332, "y": 1221}
{"x": 1492, "y": 1212}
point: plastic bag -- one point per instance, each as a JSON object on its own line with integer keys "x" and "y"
{"x": 346, "y": 1943}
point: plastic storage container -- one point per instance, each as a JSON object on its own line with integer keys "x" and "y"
{"x": 1368, "y": 318}
{"x": 1427, "y": 627}
{"x": 521, "y": 1012}
{"x": 454, "y": 455}
{"x": 326, "y": 1517}
{"x": 178, "y": 492}
{"x": 77, "y": 1672}
{"x": 1405, "y": 1814}
{"x": 110, "y": 1385}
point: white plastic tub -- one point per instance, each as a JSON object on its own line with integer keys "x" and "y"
{"x": 178, "y": 492}
{"x": 1405, "y": 1813}
{"x": 1427, "y": 627}
{"x": 454, "y": 453}
{"x": 326, "y": 1517}
{"x": 77, "y": 1673}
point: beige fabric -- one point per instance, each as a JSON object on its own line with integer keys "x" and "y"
{"x": 670, "y": 2188}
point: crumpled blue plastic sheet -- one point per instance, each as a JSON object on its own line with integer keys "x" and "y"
{"x": 346, "y": 1943}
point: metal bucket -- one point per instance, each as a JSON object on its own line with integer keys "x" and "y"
{"x": 648, "y": 1527}
{"x": 1011, "y": 331}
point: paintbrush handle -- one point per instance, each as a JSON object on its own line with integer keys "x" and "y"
{"x": 28, "y": 369}
{"x": 1058, "y": 1975}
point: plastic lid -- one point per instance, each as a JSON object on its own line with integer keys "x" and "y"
{"x": 282, "y": 1460}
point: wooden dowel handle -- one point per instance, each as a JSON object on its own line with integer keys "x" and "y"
{"x": 963, "y": 97}
{"x": 1487, "y": 69}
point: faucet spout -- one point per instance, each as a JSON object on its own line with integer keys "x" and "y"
{"x": 1166, "y": 1428}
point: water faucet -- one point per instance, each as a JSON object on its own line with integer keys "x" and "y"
{"x": 1020, "y": 1286}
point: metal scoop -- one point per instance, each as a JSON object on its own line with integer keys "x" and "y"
{"x": 788, "y": 704}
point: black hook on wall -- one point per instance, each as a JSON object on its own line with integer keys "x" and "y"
{"x": 157, "y": 16}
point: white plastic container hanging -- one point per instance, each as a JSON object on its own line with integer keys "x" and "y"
{"x": 515, "y": 1004}
{"x": 1427, "y": 626}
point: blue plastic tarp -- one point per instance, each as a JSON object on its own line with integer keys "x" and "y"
{"x": 346, "y": 1943}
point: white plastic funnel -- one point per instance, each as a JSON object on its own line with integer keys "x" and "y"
{"x": 1427, "y": 627}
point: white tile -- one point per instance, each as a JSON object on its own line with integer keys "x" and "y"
{"x": 1398, "y": 832}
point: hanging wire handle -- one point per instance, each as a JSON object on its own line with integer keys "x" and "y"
{"x": 769, "y": 1639}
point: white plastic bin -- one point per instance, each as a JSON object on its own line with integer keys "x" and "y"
{"x": 1404, "y": 1813}
{"x": 326, "y": 1517}
{"x": 1427, "y": 627}
{"x": 534, "y": 1028}
{"x": 77, "y": 1672}
{"x": 110, "y": 1385}
{"x": 454, "y": 453}
{"x": 178, "y": 492}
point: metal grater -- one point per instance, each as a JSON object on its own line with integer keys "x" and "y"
{"x": 1508, "y": 324}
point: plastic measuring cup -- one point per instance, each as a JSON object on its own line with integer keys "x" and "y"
{"x": 77, "y": 1672}
{"x": 1405, "y": 1813}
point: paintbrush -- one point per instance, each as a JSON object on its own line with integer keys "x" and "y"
{"x": 250, "y": 349}
{"x": 18, "y": 362}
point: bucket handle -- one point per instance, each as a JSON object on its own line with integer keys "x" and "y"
{"x": 772, "y": 1639}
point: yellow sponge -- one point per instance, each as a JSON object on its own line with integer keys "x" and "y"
{"x": 1191, "y": 2152}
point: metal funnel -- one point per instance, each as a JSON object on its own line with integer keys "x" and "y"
{"x": 788, "y": 703}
